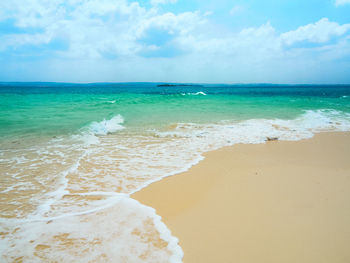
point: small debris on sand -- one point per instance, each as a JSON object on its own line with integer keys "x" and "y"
{"x": 270, "y": 139}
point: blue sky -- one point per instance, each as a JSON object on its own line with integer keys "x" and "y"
{"x": 239, "y": 41}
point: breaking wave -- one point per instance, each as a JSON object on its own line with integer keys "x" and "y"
{"x": 107, "y": 126}
{"x": 194, "y": 93}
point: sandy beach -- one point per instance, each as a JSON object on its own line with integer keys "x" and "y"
{"x": 274, "y": 202}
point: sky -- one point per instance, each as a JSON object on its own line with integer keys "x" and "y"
{"x": 197, "y": 41}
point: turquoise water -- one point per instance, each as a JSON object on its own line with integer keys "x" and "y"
{"x": 56, "y": 110}
{"x": 71, "y": 155}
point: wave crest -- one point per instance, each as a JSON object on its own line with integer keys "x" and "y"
{"x": 194, "y": 93}
{"x": 107, "y": 126}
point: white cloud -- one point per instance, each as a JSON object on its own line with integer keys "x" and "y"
{"x": 114, "y": 27}
{"x": 321, "y": 31}
{"x": 162, "y": 2}
{"x": 106, "y": 42}
{"x": 236, "y": 10}
{"x": 92, "y": 27}
{"x": 341, "y": 2}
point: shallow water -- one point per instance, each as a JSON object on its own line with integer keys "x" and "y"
{"x": 70, "y": 156}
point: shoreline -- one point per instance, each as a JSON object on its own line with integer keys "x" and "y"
{"x": 276, "y": 202}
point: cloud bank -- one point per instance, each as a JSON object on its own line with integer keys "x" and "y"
{"x": 342, "y": 2}
{"x": 119, "y": 40}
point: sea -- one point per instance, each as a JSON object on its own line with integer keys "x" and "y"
{"x": 72, "y": 154}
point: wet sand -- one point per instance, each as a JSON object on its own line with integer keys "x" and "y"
{"x": 275, "y": 202}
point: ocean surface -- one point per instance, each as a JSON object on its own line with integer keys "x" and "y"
{"x": 71, "y": 155}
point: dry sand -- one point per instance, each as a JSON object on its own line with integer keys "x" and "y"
{"x": 274, "y": 202}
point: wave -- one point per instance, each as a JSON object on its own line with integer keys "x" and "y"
{"x": 228, "y": 133}
{"x": 194, "y": 93}
{"x": 106, "y": 126}
{"x": 93, "y": 192}
{"x": 127, "y": 231}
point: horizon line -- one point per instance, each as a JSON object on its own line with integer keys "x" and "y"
{"x": 175, "y": 83}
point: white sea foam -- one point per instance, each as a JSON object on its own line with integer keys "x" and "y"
{"x": 198, "y": 93}
{"x": 89, "y": 198}
{"x": 107, "y": 126}
{"x": 127, "y": 232}
{"x": 257, "y": 130}
{"x": 129, "y": 163}
{"x": 194, "y": 93}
